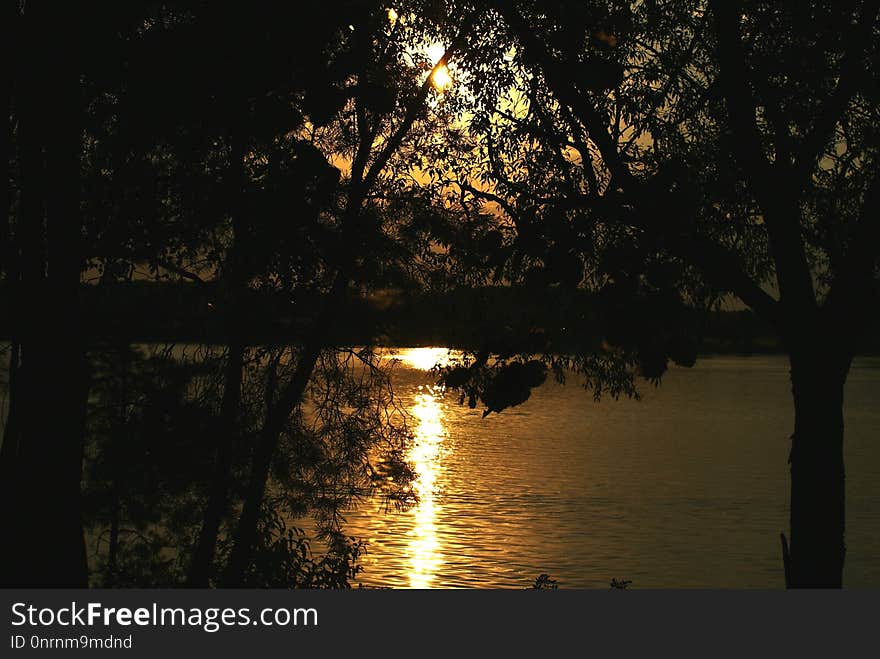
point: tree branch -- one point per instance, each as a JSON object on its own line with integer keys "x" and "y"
{"x": 565, "y": 91}
{"x": 777, "y": 197}
{"x": 416, "y": 106}
{"x": 851, "y": 288}
{"x": 835, "y": 105}
{"x": 740, "y": 101}
{"x": 717, "y": 264}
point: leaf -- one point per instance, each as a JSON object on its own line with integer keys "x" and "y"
{"x": 512, "y": 385}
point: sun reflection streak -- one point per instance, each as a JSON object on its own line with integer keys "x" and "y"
{"x": 425, "y": 456}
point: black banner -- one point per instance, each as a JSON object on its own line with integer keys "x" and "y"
{"x": 411, "y": 623}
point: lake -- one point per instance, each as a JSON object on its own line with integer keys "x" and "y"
{"x": 687, "y": 488}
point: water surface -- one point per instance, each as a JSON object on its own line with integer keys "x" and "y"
{"x": 686, "y": 488}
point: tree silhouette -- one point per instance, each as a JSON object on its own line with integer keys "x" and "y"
{"x": 708, "y": 149}
{"x": 627, "y": 166}
{"x": 211, "y": 153}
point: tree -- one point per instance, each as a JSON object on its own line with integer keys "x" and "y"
{"x": 274, "y": 170}
{"x": 730, "y": 145}
{"x": 376, "y": 115}
{"x": 662, "y": 156}
{"x": 274, "y": 216}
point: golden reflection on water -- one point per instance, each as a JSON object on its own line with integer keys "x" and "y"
{"x": 423, "y": 359}
{"x": 429, "y": 435}
{"x": 425, "y": 456}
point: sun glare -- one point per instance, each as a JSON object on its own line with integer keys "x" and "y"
{"x": 441, "y": 78}
{"x": 423, "y": 359}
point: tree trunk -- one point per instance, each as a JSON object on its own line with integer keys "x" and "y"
{"x": 218, "y": 497}
{"x": 117, "y": 441}
{"x": 8, "y": 31}
{"x": 817, "y": 471}
{"x": 113, "y": 544}
{"x": 276, "y": 417}
{"x": 228, "y": 431}
{"x": 44, "y": 544}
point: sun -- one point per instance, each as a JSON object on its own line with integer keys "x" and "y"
{"x": 441, "y": 78}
